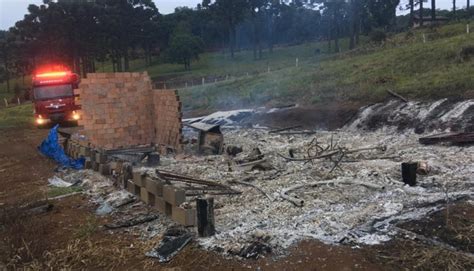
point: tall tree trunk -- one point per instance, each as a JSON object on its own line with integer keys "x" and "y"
{"x": 329, "y": 38}
{"x": 353, "y": 24}
{"x": 232, "y": 41}
{"x": 454, "y": 7}
{"x": 336, "y": 32}
{"x": 412, "y": 11}
{"x": 255, "y": 34}
{"x": 84, "y": 66}
{"x": 421, "y": 12}
{"x": 126, "y": 61}
{"x": 433, "y": 10}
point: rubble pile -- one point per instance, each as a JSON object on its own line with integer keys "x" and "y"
{"x": 420, "y": 117}
{"x": 339, "y": 211}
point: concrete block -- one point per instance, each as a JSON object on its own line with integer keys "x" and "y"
{"x": 173, "y": 195}
{"x": 185, "y": 217}
{"x": 139, "y": 178}
{"x": 95, "y": 166}
{"x": 132, "y": 188}
{"x": 160, "y": 205}
{"x": 88, "y": 163}
{"x": 104, "y": 169}
{"x": 154, "y": 186}
{"x": 101, "y": 157}
{"x": 144, "y": 195}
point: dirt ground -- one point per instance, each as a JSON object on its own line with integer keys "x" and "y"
{"x": 71, "y": 236}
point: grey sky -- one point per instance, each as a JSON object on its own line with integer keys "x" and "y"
{"x": 13, "y": 10}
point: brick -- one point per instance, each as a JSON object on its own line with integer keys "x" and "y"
{"x": 139, "y": 178}
{"x": 185, "y": 217}
{"x": 154, "y": 186}
{"x": 173, "y": 195}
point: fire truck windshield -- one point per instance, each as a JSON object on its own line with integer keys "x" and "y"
{"x": 52, "y": 92}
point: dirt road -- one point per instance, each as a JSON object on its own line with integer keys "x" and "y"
{"x": 70, "y": 235}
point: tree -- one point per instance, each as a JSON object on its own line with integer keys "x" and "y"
{"x": 421, "y": 12}
{"x": 6, "y": 48}
{"x": 185, "y": 47}
{"x": 433, "y": 10}
{"x": 231, "y": 12}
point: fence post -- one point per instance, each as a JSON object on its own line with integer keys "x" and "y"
{"x": 203, "y": 81}
{"x": 18, "y": 100}
{"x": 297, "y": 60}
{"x": 226, "y": 77}
{"x": 6, "y": 102}
{"x": 467, "y": 29}
{"x": 186, "y": 84}
{"x": 164, "y": 85}
{"x": 424, "y": 38}
{"x": 268, "y": 69}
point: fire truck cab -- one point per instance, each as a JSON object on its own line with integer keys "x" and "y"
{"x": 53, "y": 97}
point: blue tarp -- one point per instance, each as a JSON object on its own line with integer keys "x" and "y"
{"x": 51, "y": 148}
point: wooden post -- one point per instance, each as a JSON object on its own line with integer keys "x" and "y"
{"x": 409, "y": 173}
{"x": 18, "y": 100}
{"x": 467, "y": 29}
{"x": 203, "y": 81}
{"x": 6, "y": 102}
{"x": 205, "y": 217}
{"x": 297, "y": 60}
{"x": 424, "y": 38}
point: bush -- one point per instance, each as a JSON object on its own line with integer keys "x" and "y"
{"x": 466, "y": 52}
{"x": 377, "y": 36}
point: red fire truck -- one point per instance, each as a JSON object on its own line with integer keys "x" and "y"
{"x": 53, "y": 97}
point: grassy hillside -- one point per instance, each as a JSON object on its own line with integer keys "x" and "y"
{"x": 405, "y": 64}
{"x": 18, "y": 116}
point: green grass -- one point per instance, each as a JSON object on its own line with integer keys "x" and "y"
{"x": 404, "y": 64}
{"x": 18, "y": 116}
{"x": 60, "y": 191}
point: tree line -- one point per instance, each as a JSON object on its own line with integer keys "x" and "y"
{"x": 84, "y": 33}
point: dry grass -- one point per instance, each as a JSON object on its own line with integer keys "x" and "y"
{"x": 414, "y": 256}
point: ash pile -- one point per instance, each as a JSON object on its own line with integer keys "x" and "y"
{"x": 343, "y": 186}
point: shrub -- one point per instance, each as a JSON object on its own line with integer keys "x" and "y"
{"x": 466, "y": 52}
{"x": 377, "y": 36}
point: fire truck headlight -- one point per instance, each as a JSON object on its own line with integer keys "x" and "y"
{"x": 75, "y": 115}
{"x": 40, "y": 121}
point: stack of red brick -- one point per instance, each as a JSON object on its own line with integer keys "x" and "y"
{"x": 167, "y": 108}
{"x": 121, "y": 110}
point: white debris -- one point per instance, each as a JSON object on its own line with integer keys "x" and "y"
{"x": 331, "y": 213}
{"x": 58, "y": 182}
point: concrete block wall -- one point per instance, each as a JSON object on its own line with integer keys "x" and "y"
{"x": 165, "y": 198}
{"x": 121, "y": 110}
